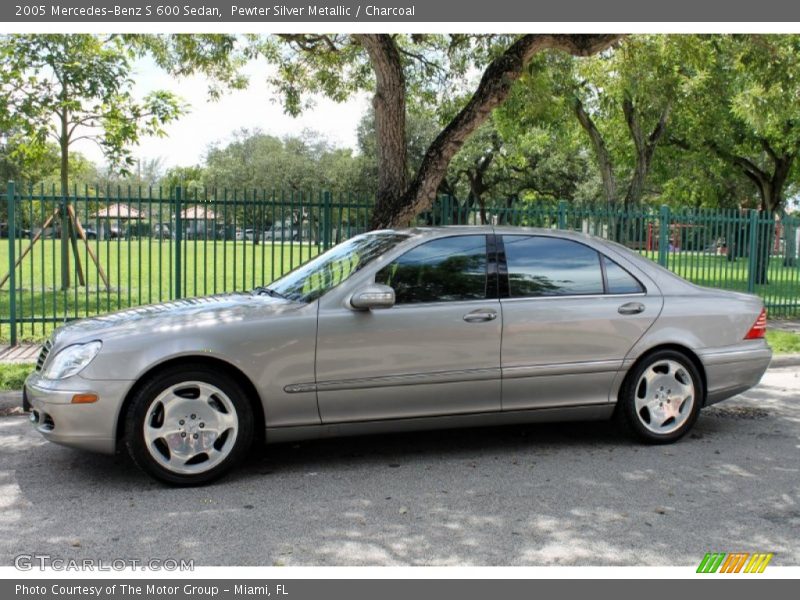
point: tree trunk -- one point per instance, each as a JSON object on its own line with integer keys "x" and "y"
{"x": 645, "y": 148}
{"x": 400, "y": 206}
{"x": 389, "y": 104}
{"x": 770, "y": 188}
{"x": 772, "y": 201}
{"x": 789, "y": 226}
{"x": 601, "y": 152}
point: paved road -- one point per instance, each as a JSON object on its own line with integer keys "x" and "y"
{"x": 529, "y": 495}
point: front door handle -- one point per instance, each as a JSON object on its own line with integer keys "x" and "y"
{"x": 631, "y": 308}
{"x": 482, "y": 314}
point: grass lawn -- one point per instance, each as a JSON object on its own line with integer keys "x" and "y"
{"x": 12, "y": 375}
{"x": 139, "y": 272}
{"x": 783, "y": 342}
{"x": 781, "y": 294}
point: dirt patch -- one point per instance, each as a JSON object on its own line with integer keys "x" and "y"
{"x": 737, "y": 412}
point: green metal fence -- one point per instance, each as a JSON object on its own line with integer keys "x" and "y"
{"x": 102, "y": 250}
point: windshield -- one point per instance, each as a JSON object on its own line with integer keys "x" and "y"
{"x": 317, "y": 277}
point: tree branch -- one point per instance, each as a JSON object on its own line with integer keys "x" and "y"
{"x": 600, "y": 150}
{"x": 493, "y": 89}
{"x": 309, "y": 42}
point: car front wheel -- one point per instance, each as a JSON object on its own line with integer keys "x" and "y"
{"x": 189, "y": 425}
{"x": 661, "y": 397}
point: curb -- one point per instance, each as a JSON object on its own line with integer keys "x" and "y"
{"x": 785, "y": 360}
{"x": 10, "y": 400}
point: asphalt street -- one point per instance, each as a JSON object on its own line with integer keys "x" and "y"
{"x": 566, "y": 494}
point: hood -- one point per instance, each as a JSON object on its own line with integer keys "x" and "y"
{"x": 178, "y": 314}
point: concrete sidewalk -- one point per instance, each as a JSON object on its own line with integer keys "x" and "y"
{"x": 792, "y": 325}
{"x": 21, "y": 353}
{"x": 10, "y": 403}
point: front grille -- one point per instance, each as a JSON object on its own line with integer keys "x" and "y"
{"x": 43, "y": 355}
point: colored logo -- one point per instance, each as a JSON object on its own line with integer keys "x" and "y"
{"x": 734, "y": 562}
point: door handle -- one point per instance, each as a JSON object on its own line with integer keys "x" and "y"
{"x": 631, "y": 308}
{"x": 477, "y": 316}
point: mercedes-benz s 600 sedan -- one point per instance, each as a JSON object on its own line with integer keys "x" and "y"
{"x": 399, "y": 330}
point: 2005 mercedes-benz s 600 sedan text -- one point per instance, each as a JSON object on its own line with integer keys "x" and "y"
{"x": 399, "y": 330}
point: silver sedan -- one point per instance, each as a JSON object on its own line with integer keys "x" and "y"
{"x": 401, "y": 330}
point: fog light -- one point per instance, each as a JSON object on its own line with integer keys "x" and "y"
{"x": 84, "y": 398}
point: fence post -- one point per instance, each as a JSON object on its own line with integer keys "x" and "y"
{"x": 562, "y": 214}
{"x": 178, "y": 244}
{"x": 752, "y": 258}
{"x": 63, "y": 220}
{"x": 663, "y": 235}
{"x": 12, "y": 260}
{"x": 447, "y": 215}
{"x": 327, "y": 220}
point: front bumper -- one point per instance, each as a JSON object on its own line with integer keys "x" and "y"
{"x": 733, "y": 370}
{"x": 85, "y": 426}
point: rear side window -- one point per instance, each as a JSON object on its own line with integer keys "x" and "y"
{"x": 444, "y": 270}
{"x": 619, "y": 280}
{"x": 545, "y": 266}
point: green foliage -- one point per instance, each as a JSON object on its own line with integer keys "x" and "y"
{"x": 186, "y": 177}
{"x": 727, "y": 101}
{"x": 305, "y": 163}
{"x": 437, "y": 67}
{"x": 71, "y": 87}
{"x": 783, "y": 342}
{"x": 12, "y": 375}
{"x": 742, "y": 110}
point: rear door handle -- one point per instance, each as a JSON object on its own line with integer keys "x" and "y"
{"x": 631, "y": 308}
{"x": 482, "y": 314}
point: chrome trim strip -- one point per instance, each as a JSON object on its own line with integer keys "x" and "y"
{"x": 488, "y": 374}
{"x": 297, "y": 388}
{"x": 457, "y": 376}
{"x": 575, "y": 368}
{"x": 574, "y": 296}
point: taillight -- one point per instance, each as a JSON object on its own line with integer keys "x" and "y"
{"x": 759, "y": 328}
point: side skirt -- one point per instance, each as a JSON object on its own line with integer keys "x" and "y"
{"x": 595, "y": 412}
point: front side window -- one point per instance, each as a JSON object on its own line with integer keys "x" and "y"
{"x": 443, "y": 270}
{"x": 547, "y": 266}
{"x": 315, "y": 278}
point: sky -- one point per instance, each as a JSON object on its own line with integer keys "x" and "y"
{"x": 207, "y": 122}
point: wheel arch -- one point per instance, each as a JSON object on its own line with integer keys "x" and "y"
{"x": 212, "y": 363}
{"x": 686, "y": 351}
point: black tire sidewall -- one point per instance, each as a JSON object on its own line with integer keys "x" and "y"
{"x": 140, "y": 403}
{"x": 627, "y": 400}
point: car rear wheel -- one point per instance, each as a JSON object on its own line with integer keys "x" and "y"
{"x": 189, "y": 425}
{"x": 661, "y": 397}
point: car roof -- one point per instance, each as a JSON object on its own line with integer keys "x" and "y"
{"x": 446, "y": 230}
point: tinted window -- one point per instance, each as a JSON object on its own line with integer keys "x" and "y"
{"x": 313, "y": 279}
{"x": 545, "y": 266}
{"x": 443, "y": 270}
{"x": 619, "y": 280}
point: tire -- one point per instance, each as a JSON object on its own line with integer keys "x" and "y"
{"x": 189, "y": 425}
{"x": 661, "y": 398}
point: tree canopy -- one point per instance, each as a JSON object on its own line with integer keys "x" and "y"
{"x": 65, "y": 88}
{"x": 487, "y": 119}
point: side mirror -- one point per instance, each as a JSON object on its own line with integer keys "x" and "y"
{"x": 372, "y": 296}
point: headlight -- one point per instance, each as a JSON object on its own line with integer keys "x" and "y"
{"x": 71, "y": 360}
